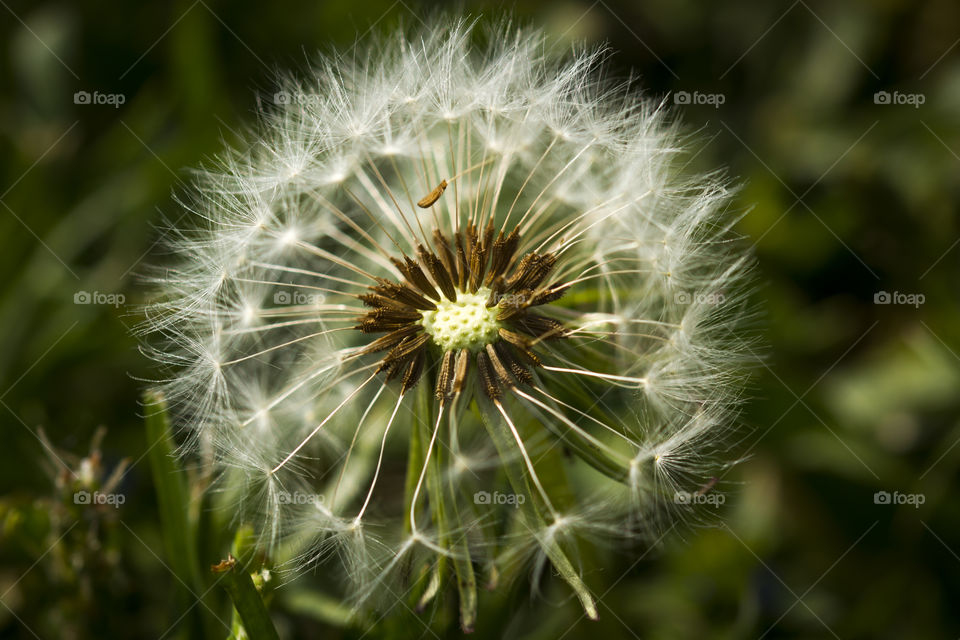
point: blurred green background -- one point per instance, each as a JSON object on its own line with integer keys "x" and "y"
{"x": 849, "y": 193}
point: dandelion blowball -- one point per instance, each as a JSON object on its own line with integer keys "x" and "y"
{"x": 457, "y": 301}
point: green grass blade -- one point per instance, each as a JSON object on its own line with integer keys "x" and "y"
{"x": 246, "y": 600}
{"x": 179, "y": 530}
{"x": 172, "y": 494}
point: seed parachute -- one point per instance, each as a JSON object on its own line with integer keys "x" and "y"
{"x": 441, "y": 271}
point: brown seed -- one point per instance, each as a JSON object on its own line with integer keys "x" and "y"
{"x": 531, "y": 271}
{"x": 521, "y": 345}
{"x": 499, "y": 368}
{"x": 442, "y": 269}
{"x": 394, "y": 315}
{"x": 369, "y": 324}
{"x": 479, "y": 252}
{"x": 463, "y": 267}
{"x": 539, "y": 327}
{"x": 382, "y": 302}
{"x": 415, "y": 276}
{"x": 402, "y": 354}
{"x": 445, "y": 376}
{"x": 402, "y": 293}
{"x": 412, "y": 373}
{"x": 510, "y": 360}
{"x": 427, "y": 201}
{"x": 461, "y": 370}
{"x": 550, "y": 294}
{"x": 442, "y": 246}
{"x": 438, "y": 270}
{"x": 488, "y": 377}
{"x": 502, "y": 254}
{"x": 390, "y": 340}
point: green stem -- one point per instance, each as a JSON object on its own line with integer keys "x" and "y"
{"x": 246, "y": 600}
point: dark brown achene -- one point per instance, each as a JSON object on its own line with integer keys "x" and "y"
{"x": 475, "y": 307}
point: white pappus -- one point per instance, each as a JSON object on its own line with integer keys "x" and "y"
{"x": 458, "y": 298}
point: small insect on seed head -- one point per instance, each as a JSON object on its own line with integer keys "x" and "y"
{"x": 427, "y": 201}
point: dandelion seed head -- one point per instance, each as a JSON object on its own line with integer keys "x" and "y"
{"x": 452, "y": 291}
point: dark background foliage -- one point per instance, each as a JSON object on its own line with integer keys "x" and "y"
{"x": 847, "y": 196}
